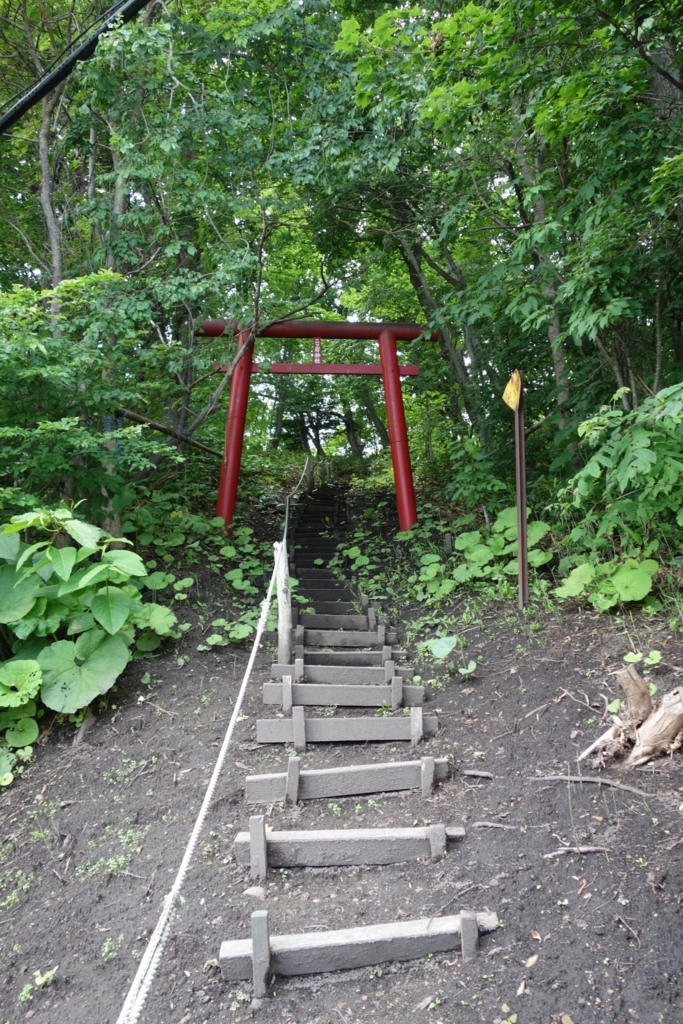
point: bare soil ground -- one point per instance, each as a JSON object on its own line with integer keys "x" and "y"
{"x": 92, "y": 837}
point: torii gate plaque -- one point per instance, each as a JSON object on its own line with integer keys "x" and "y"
{"x": 385, "y": 334}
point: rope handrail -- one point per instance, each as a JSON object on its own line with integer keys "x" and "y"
{"x": 137, "y": 994}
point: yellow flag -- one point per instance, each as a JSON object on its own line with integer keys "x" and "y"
{"x": 513, "y": 391}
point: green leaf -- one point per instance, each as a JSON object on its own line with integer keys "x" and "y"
{"x": 467, "y": 540}
{"x": 537, "y": 558}
{"x": 228, "y": 551}
{"x": 633, "y": 658}
{"x": 650, "y": 566}
{"x": 480, "y": 554}
{"x": 429, "y": 559}
{"x": 443, "y": 646}
{"x": 613, "y": 706}
{"x": 23, "y": 733}
{"x": 506, "y": 520}
{"x": 158, "y": 580}
{"x": 9, "y": 546}
{"x": 63, "y": 561}
{"x": 216, "y": 640}
{"x": 16, "y": 599}
{"x": 240, "y": 630}
{"x": 184, "y": 584}
{"x": 75, "y": 673}
{"x": 111, "y": 607}
{"x": 19, "y": 682}
{"x": 147, "y": 642}
{"x": 126, "y": 561}
{"x": 85, "y": 534}
{"x": 535, "y": 532}
{"x": 353, "y": 552}
{"x": 631, "y": 584}
{"x": 577, "y": 581}
{"x": 80, "y": 623}
{"x": 160, "y": 619}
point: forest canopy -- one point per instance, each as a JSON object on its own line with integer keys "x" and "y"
{"x": 508, "y": 174}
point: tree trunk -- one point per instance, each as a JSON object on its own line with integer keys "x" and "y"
{"x": 351, "y": 433}
{"x": 375, "y": 418}
{"x": 46, "y": 186}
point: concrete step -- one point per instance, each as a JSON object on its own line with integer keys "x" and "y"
{"x": 346, "y": 638}
{"x": 342, "y": 847}
{"x": 334, "y": 621}
{"x": 318, "y": 573}
{"x": 343, "y": 695}
{"x": 299, "y": 730}
{"x": 348, "y": 780}
{"x": 341, "y": 663}
{"x": 314, "y": 594}
{"x": 334, "y": 607}
{"x": 314, "y": 657}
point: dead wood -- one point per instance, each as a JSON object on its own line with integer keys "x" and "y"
{"x": 637, "y": 692}
{"x": 661, "y": 732}
{"x": 636, "y": 707}
{"x": 575, "y": 849}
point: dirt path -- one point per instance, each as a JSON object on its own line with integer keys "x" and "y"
{"x": 92, "y": 837}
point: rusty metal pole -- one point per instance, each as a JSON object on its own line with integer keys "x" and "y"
{"x": 234, "y": 433}
{"x": 398, "y": 434}
{"x": 514, "y": 397}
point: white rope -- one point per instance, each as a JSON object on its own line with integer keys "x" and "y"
{"x": 137, "y": 994}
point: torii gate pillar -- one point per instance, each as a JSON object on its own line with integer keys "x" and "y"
{"x": 398, "y": 433}
{"x": 234, "y": 433}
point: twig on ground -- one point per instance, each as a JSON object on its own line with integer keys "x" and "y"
{"x": 598, "y": 782}
{"x": 620, "y": 919}
{"x": 541, "y": 708}
{"x": 493, "y": 824}
{"x": 173, "y": 714}
{"x": 575, "y": 849}
{"x": 478, "y": 775}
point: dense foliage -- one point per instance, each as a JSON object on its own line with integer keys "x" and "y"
{"x": 510, "y": 173}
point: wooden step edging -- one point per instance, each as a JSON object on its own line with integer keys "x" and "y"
{"x": 347, "y": 637}
{"x": 350, "y": 780}
{"x": 338, "y": 847}
{"x": 298, "y": 730}
{"x": 359, "y": 674}
{"x": 342, "y": 695}
{"x": 264, "y": 954}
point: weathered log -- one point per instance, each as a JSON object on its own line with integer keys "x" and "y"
{"x": 660, "y": 733}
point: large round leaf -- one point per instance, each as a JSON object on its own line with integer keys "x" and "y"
{"x": 19, "y": 681}
{"x": 111, "y": 606}
{"x": 480, "y": 554}
{"x": 75, "y": 673}
{"x": 467, "y": 540}
{"x": 535, "y": 532}
{"x": 16, "y": 599}
{"x": 631, "y": 584}
{"x": 23, "y": 733}
{"x": 443, "y": 646}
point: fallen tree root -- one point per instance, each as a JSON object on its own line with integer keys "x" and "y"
{"x": 575, "y": 849}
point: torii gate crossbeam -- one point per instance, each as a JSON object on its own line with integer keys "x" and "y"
{"x": 386, "y": 334}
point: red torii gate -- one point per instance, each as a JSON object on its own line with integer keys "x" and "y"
{"x": 386, "y": 334}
